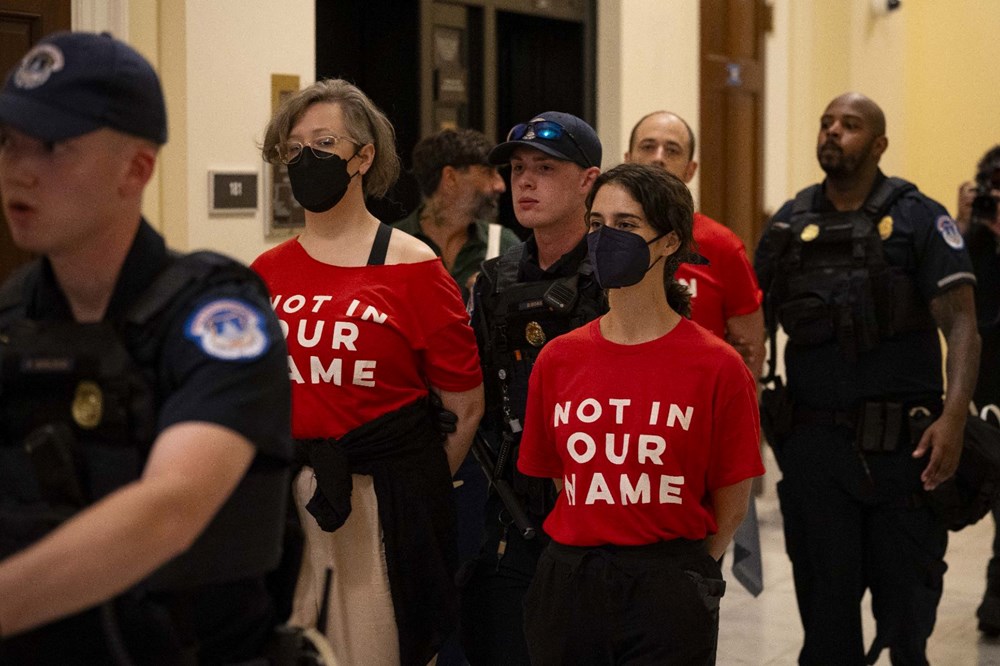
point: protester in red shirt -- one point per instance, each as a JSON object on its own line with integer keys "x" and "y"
{"x": 373, "y": 323}
{"x": 655, "y": 466}
{"x": 725, "y": 297}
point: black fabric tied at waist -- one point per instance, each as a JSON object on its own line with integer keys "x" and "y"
{"x": 404, "y": 453}
{"x": 370, "y": 447}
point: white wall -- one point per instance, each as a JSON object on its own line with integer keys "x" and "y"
{"x": 230, "y": 49}
{"x": 777, "y": 187}
{"x": 647, "y": 53}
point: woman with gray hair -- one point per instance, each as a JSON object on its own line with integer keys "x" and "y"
{"x": 377, "y": 336}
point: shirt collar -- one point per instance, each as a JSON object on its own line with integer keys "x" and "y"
{"x": 144, "y": 261}
{"x": 566, "y": 265}
{"x": 822, "y": 203}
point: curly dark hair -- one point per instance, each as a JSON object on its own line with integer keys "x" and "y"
{"x": 988, "y": 164}
{"x": 667, "y": 204}
{"x": 452, "y": 147}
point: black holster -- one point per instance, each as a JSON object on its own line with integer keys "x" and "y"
{"x": 776, "y": 413}
{"x": 880, "y": 427}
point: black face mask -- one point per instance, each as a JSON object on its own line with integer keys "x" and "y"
{"x": 319, "y": 185}
{"x": 620, "y": 258}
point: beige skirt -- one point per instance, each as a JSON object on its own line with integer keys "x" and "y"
{"x": 361, "y": 622}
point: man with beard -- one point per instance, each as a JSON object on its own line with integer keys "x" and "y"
{"x": 861, "y": 271}
{"x": 460, "y": 189}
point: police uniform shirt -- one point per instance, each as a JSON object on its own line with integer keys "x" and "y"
{"x": 924, "y": 241}
{"x": 221, "y": 361}
{"x": 244, "y": 394}
{"x": 568, "y": 264}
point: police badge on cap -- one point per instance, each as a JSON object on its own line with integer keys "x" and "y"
{"x": 38, "y": 65}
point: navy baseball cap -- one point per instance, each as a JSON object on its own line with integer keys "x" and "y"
{"x": 72, "y": 83}
{"x": 561, "y": 135}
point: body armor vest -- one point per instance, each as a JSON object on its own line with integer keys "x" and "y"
{"x": 78, "y": 415}
{"x": 520, "y": 318}
{"x": 832, "y": 281}
{"x": 524, "y": 316}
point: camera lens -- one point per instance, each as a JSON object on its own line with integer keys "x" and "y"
{"x": 984, "y": 206}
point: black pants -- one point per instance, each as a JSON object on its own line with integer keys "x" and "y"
{"x": 848, "y": 530}
{"x": 656, "y": 604}
{"x": 492, "y": 623}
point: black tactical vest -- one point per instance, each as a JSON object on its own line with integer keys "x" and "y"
{"x": 523, "y": 316}
{"x": 832, "y": 281}
{"x": 519, "y": 319}
{"x": 78, "y": 406}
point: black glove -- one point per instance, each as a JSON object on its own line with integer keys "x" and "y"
{"x": 446, "y": 421}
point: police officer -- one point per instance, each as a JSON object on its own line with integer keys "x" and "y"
{"x": 522, "y": 299}
{"x": 143, "y": 396}
{"x": 983, "y": 238}
{"x": 860, "y": 271}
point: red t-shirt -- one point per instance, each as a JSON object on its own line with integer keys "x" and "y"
{"x": 365, "y": 341}
{"x": 640, "y": 434}
{"x": 728, "y": 286}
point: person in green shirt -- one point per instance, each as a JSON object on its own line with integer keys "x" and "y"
{"x": 460, "y": 190}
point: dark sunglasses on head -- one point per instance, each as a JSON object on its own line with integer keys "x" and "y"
{"x": 548, "y": 130}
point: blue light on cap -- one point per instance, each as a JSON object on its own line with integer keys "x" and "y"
{"x": 578, "y": 144}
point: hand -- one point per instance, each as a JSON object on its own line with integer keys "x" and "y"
{"x": 445, "y": 420}
{"x": 966, "y": 193}
{"x": 741, "y": 345}
{"x": 944, "y": 438}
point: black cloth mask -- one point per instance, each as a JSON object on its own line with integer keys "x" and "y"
{"x": 319, "y": 185}
{"x": 620, "y": 258}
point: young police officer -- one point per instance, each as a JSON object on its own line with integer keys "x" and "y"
{"x": 531, "y": 293}
{"x": 144, "y": 408}
{"x": 861, "y": 271}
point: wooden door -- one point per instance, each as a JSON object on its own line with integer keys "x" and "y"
{"x": 22, "y": 23}
{"x": 731, "y": 116}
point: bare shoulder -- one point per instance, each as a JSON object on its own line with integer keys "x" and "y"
{"x": 407, "y": 249}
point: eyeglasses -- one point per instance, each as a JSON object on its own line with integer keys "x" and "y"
{"x": 322, "y": 147}
{"x": 548, "y": 130}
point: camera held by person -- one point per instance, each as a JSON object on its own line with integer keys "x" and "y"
{"x": 984, "y": 205}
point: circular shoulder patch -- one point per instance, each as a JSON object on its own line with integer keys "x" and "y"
{"x": 229, "y": 329}
{"x": 950, "y": 233}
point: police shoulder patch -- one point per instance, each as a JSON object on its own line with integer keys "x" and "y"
{"x": 950, "y": 233}
{"x": 229, "y": 329}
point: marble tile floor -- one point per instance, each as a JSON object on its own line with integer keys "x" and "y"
{"x": 766, "y": 630}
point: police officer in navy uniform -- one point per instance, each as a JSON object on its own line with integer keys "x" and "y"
{"x": 144, "y": 407}
{"x": 861, "y": 271}
{"x": 531, "y": 293}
